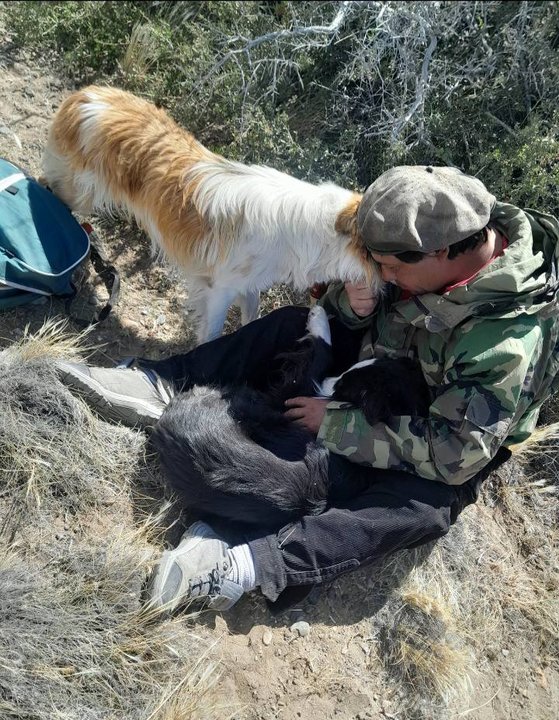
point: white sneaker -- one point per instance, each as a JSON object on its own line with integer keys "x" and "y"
{"x": 135, "y": 397}
{"x": 197, "y": 569}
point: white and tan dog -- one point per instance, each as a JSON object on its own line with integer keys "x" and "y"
{"x": 232, "y": 229}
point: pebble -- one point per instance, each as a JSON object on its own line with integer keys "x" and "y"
{"x": 302, "y": 628}
{"x": 132, "y": 325}
{"x": 505, "y": 651}
{"x": 267, "y": 637}
{"x": 161, "y": 319}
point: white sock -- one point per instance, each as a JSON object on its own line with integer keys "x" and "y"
{"x": 242, "y": 567}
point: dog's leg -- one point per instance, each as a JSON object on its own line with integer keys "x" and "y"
{"x": 248, "y": 303}
{"x": 211, "y": 306}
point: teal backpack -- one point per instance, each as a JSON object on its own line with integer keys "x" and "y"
{"x": 42, "y": 245}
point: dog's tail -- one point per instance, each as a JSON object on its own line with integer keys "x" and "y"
{"x": 215, "y": 468}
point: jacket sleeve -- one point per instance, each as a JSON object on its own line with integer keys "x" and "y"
{"x": 336, "y": 302}
{"x": 469, "y": 418}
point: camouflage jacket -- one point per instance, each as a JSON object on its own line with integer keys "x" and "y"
{"x": 489, "y": 352}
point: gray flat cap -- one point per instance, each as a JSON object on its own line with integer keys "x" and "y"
{"x": 422, "y": 208}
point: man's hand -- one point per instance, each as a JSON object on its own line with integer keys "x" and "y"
{"x": 307, "y": 411}
{"x": 361, "y": 298}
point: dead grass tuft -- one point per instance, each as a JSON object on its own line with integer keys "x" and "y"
{"x": 421, "y": 649}
{"x": 52, "y": 449}
{"x": 53, "y": 340}
{"x": 543, "y": 441}
{"x": 421, "y": 644}
{"x": 75, "y": 551}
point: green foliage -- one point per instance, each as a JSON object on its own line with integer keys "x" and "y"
{"x": 523, "y": 167}
{"x": 91, "y": 36}
{"x": 269, "y": 82}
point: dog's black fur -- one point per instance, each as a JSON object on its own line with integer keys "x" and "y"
{"x": 232, "y": 452}
{"x": 388, "y": 388}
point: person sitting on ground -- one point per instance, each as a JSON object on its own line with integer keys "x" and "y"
{"x": 471, "y": 294}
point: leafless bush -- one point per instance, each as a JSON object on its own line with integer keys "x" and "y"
{"x": 396, "y": 63}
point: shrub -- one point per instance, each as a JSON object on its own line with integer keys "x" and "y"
{"x": 331, "y": 90}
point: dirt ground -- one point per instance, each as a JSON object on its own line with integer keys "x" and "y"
{"x": 329, "y": 668}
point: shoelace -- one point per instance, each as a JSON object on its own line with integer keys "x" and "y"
{"x": 165, "y": 389}
{"x": 208, "y": 585}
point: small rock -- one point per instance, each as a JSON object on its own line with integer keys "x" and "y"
{"x": 301, "y": 627}
{"x": 160, "y": 319}
{"x": 505, "y": 652}
{"x": 143, "y": 311}
{"x": 267, "y": 637}
{"x": 131, "y": 325}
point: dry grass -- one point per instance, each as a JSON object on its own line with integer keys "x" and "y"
{"x": 53, "y": 340}
{"x": 481, "y": 603}
{"x": 52, "y": 449}
{"x": 422, "y": 642}
{"x": 142, "y": 51}
{"x": 423, "y": 645}
{"x": 75, "y": 551}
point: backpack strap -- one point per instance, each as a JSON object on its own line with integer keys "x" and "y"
{"x": 106, "y": 271}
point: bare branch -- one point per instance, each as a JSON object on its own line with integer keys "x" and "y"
{"x": 422, "y": 85}
{"x": 389, "y": 69}
{"x": 295, "y": 32}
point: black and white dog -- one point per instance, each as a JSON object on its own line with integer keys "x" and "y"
{"x": 234, "y": 454}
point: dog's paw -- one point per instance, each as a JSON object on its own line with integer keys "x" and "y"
{"x": 317, "y": 324}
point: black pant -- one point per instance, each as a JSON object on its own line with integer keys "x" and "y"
{"x": 371, "y": 512}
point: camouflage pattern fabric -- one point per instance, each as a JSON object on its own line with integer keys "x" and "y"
{"x": 489, "y": 352}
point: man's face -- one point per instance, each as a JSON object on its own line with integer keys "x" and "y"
{"x": 430, "y": 274}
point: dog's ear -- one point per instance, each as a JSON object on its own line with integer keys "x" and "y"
{"x": 346, "y": 222}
